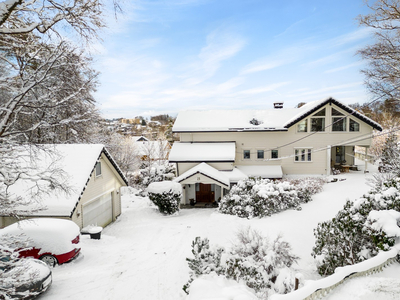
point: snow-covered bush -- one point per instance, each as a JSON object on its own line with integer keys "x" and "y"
{"x": 154, "y": 173}
{"x": 256, "y": 197}
{"x": 347, "y": 238}
{"x": 306, "y": 187}
{"x": 205, "y": 260}
{"x": 166, "y": 195}
{"x": 262, "y": 265}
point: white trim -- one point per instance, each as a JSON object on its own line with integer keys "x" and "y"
{"x": 303, "y": 161}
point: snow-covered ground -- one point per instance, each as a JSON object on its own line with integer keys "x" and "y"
{"x": 142, "y": 255}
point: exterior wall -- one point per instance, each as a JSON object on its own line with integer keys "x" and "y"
{"x": 266, "y": 141}
{"x": 183, "y": 167}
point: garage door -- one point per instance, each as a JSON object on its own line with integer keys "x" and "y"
{"x": 98, "y": 212}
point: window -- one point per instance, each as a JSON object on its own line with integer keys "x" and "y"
{"x": 339, "y": 121}
{"x": 339, "y": 124}
{"x": 318, "y": 121}
{"x": 246, "y": 154}
{"x": 260, "y": 154}
{"x": 98, "y": 169}
{"x": 354, "y": 126}
{"x": 274, "y": 153}
{"x": 302, "y": 126}
{"x": 302, "y": 154}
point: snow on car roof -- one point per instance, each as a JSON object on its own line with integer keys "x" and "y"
{"x": 77, "y": 162}
{"x": 47, "y": 234}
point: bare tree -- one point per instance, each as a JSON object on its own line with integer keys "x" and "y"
{"x": 383, "y": 72}
{"x": 46, "y": 83}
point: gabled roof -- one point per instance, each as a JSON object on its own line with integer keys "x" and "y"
{"x": 207, "y": 171}
{"x": 202, "y": 152}
{"x": 312, "y": 107}
{"x": 77, "y": 161}
{"x": 255, "y": 120}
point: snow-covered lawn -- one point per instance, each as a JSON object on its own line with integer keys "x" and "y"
{"x": 142, "y": 255}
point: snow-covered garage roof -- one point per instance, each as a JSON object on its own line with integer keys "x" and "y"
{"x": 255, "y": 120}
{"x": 202, "y": 152}
{"x": 77, "y": 161}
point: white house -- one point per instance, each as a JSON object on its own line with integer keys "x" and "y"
{"x": 220, "y": 147}
{"x": 94, "y": 180}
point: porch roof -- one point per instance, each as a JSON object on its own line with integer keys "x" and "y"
{"x": 207, "y": 171}
{"x": 202, "y": 152}
{"x": 235, "y": 175}
{"x": 262, "y": 171}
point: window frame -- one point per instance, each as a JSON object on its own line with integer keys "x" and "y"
{"x": 317, "y": 116}
{"x": 299, "y": 152}
{"x": 351, "y": 120}
{"x": 274, "y": 152}
{"x": 258, "y": 153}
{"x": 97, "y": 168}
{"x": 244, "y": 154}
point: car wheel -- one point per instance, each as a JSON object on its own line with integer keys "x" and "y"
{"x": 49, "y": 259}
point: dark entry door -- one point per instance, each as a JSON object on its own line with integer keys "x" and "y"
{"x": 340, "y": 153}
{"x": 204, "y": 193}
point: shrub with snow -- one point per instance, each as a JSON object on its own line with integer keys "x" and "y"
{"x": 166, "y": 195}
{"x": 256, "y": 197}
{"x": 349, "y": 238}
{"x": 154, "y": 173}
{"x": 262, "y": 265}
{"x": 306, "y": 187}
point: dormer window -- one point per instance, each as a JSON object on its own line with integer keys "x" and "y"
{"x": 318, "y": 121}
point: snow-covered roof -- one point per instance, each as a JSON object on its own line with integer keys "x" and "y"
{"x": 262, "y": 171}
{"x": 202, "y": 152}
{"x": 77, "y": 161}
{"x": 255, "y": 120}
{"x": 235, "y": 175}
{"x": 205, "y": 170}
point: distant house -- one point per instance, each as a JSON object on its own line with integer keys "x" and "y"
{"x": 220, "y": 147}
{"x": 95, "y": 181}
{"x": 151, "y": 150}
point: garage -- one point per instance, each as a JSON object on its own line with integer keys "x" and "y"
{"x": 98, "y": 212}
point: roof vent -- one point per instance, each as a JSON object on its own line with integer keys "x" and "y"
{"x": 278, "y": 105}
{"x": 255, "y": 122}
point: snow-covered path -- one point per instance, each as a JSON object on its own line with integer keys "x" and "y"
{"x": 142, "y": 255}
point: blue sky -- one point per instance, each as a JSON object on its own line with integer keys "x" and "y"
{"x": 165, "y": 56}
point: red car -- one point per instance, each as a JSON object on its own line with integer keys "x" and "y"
{"x": 54, "y": 241}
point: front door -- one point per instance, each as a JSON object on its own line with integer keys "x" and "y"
{"x": 204, "y": 193}
{"x": 340, "y": 153}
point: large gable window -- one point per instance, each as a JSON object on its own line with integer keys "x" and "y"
{"x": 338, "y": 121}
{"x": 303, "y": 154}
{"x": 302, "y": 126}
{"x": 318, "y": 121}
{"x": 354, "y": 126}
